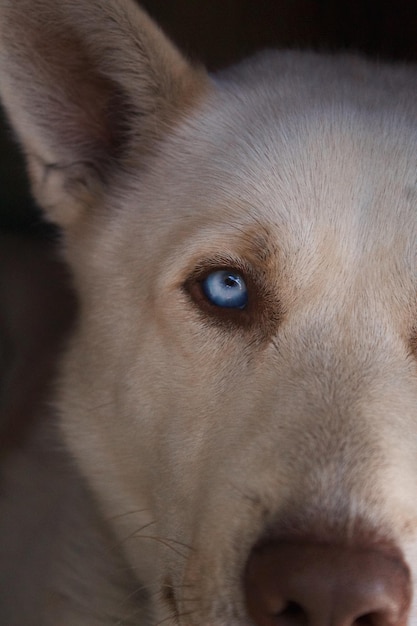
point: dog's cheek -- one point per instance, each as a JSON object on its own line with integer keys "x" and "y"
{"x": 194, "y": 377}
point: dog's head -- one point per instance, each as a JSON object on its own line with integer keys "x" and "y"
{"x": 241, "y": 388}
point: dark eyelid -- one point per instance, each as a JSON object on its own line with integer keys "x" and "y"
{"x": 220, "y": 263}
{"x": 263, "y": 312}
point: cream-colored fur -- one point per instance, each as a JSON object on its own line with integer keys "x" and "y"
{"x": 186, "y": 430}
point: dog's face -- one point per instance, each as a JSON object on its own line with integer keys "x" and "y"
{"x": 241, "y": 389}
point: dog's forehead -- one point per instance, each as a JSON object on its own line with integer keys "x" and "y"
{"x": 310, "y": 158}
{"x": 309, "y": 169}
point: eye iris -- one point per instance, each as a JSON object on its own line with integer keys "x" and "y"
{"x": 226, "y": 289}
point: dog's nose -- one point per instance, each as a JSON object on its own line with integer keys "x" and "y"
{"x": 313, "y": 584}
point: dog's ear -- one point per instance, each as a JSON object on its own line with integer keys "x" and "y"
{"x": 83, "y": 81}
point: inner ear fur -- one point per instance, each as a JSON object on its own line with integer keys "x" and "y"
{"x": 84, "y": 82}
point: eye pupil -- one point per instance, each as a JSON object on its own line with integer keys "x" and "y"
{"x": 231, "y": 281}
{"x": 225, "y": 289}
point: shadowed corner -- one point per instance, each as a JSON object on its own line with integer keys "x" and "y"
{"x": 37, "y": 309}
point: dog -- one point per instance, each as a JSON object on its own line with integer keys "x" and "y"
{"x": 234, "y": 434}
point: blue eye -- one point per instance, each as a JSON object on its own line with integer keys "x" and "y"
{"x": 226, "y": 289}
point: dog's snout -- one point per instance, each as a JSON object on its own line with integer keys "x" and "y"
{"x": 313, "y": 584}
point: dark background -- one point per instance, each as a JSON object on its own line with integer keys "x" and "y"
{"x": 219, "y": 32}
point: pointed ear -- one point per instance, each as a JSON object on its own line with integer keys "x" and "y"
{"x": 86, "y": 82}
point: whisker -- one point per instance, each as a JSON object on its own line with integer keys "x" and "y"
{"x": 99, "y": 406}
{"x": 179, "y": 543}
{"x": 175, "y": 618}
{"x": 134, "y": 534}
{"x": 120, "y": 515}
{"x": 136, "y": 592}
{"x": 164, "y": 542}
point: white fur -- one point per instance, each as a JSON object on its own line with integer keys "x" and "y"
{"x": 189, "y": 435}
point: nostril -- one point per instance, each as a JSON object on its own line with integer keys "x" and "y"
{"x": 370, "y": 619}
{"x": 292, "y": 615}
{"x": 376, "y": 618}
{"x": 309, "y": 584}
